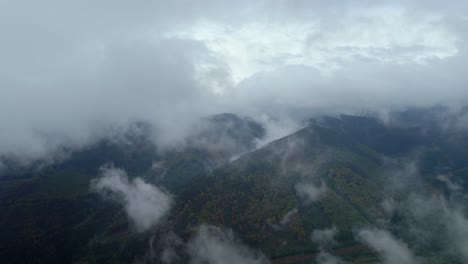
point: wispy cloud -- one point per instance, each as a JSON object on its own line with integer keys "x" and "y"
{"x": 391, "y": 249}
{"x": 144, "y": 203}
{"x": 324, "y": 238}
{"x": 214, "y": 246}
{"x": 311, "y": 192}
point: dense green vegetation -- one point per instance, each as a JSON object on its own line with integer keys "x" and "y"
{"x": 52, "y": 217}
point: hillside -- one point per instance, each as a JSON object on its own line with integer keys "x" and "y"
{"x": 337, "y": 172}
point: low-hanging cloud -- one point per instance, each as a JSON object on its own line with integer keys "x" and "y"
{"x": 327, "y": 258}
{"x": 457, "y": 225}
{"x": 286, "y": 218}
{"x": 311, "y": 192}
{"x": 69, "y": 78}
{"x": 392, "y": 250}
{"x": 452, "y": 186}
{"x": 436, "y": 210}
{"x": 212, "y": 245}
{"x": 324, "y": 238}
{"x": 144, "y": 203}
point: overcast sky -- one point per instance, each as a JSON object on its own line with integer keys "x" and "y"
{"x": 71, "y": 70}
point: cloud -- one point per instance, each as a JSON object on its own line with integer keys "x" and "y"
{"x": 444, "y": 220}
{"x": 327, "y": 258}
{"x": 310, "y": 192}
{"x": 212, "y": 245}
{"x": 457, "y": 225}
{"x": 171, "y": 243}
{"x": 72, "y": 72}
{"x": 392, "y": 250}
{"x": 144, "y": 203}
{"x": 324, "y": 238}
{"x": 403, "y": 175}
{"x": 3, "y": 168}
{"x": 452, "y": 186}
{"x": 390, "y": 206}
{"x": 286, "y": 219}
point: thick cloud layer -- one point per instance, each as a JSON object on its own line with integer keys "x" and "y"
{"x": 144, "y": 203}
{"x": 73, "y": 71}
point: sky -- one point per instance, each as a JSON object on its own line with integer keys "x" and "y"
{"x": 71, "y": 72}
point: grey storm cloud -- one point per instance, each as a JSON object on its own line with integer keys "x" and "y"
{"x": 72, "y": 71}
{"x": 144, "y": 203}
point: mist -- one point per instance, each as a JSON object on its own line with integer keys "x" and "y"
{"x": 325, "y": 241}
{"x": 214, "y": 245}
{"x": 145, "y": 204}
{"x": 391, "y": 249}
{"x": 73, "y": 72}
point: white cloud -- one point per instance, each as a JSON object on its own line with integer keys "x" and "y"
{"x": 457, "y": 225}
{"x": 3, "y": 167}
{"x": 327, "y": 258}
{"x": 324, "y": 238}
{"x": 144, "y": 203}
{"x": 286, "y": 219}
{"x": 384, "y": 34}
{"x": 452, "y": 186}
{"x": 215, "y": 246}
{"x": 392, "y": 250}
{"x": 72, "y": 72}
{"x": 310, "y": 192}
{"x": 438, "y": 211}
{"x": 389, "y": 206}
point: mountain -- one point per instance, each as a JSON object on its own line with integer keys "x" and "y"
{"x": 344, "y": 173}
{"x": 49, "y": 214}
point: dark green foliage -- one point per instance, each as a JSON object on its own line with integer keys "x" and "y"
{"x": 51, "y": 217}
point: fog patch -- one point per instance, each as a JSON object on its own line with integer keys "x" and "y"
{"x": 212, "y": 245}
{"x": 448, "y": 216}
{"x": 286, "y": 219}
{"x": 170, "y": 63}
{"x": 310, "y": 192}
{"x": 145, "y": 204}
{"x": 3, "y": 168}
{"x": 451, "y": 185}
{"x": 172, "y": 243}
{"x": 392, "y": 250}
{"x": 327, "y": 258}
{"x": 403, "y": 175}
{"x": 277, "y": 128}
{"x": 389, "y": 206}
{"x": 457, "y": 225}
{"x": 325, "y": 240}
{"x": 324, "y": 237}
